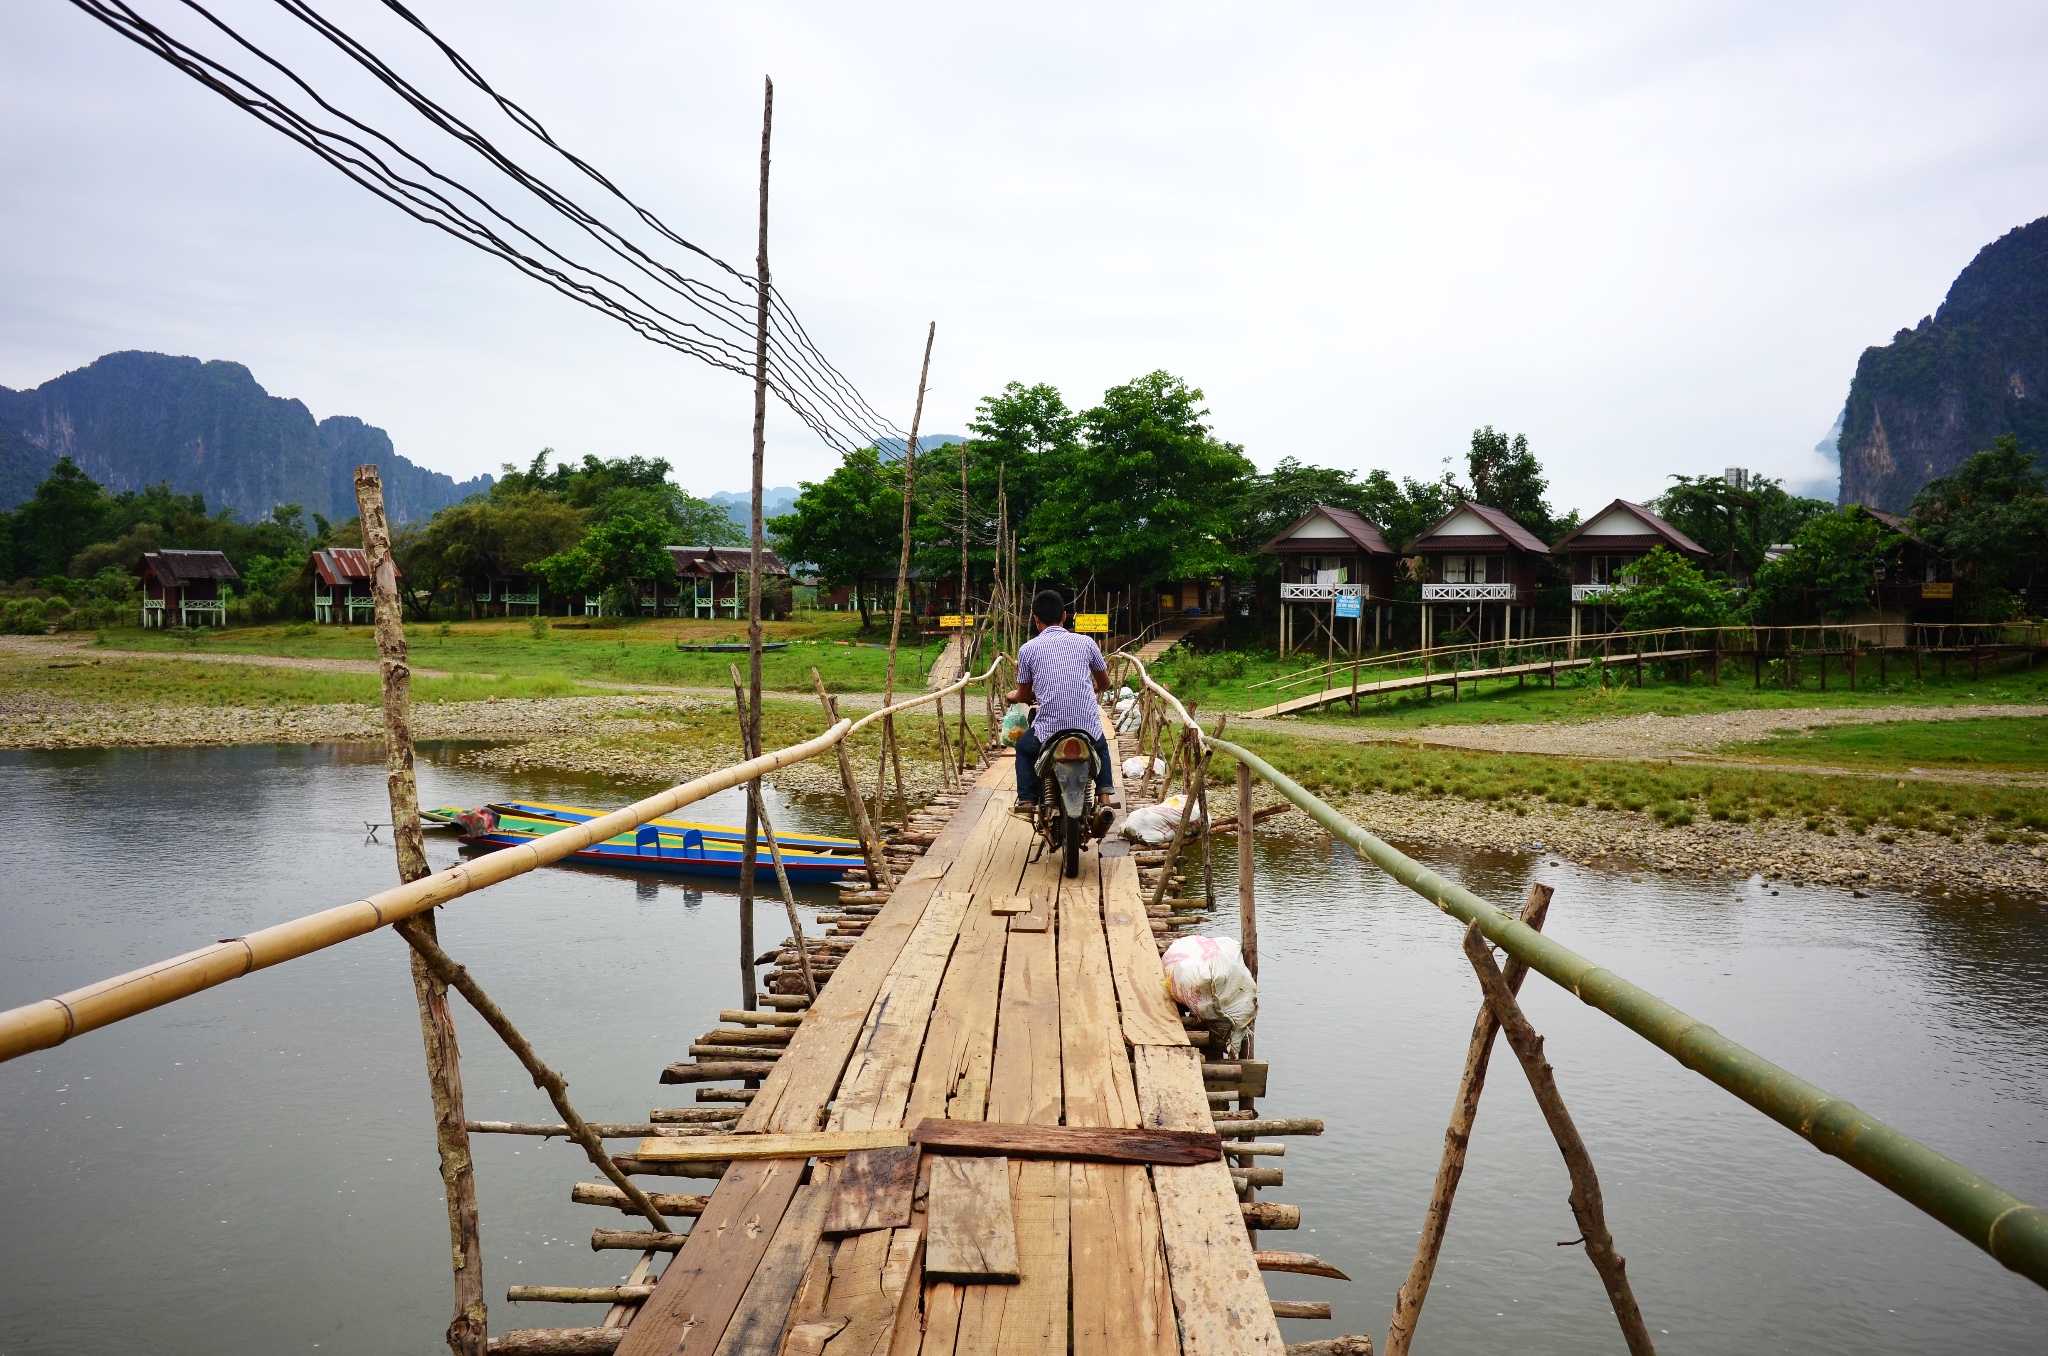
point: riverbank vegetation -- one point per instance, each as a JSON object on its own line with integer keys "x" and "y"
{"x": 1989, "y": 744}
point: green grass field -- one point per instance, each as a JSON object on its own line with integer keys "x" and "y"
{"x": 2018, "y": 744}
{"x": 635, "y": 651}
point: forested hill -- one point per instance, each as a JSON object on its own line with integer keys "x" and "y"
{"x": 1945, "y": 389}
{"x": 133, "y": 419}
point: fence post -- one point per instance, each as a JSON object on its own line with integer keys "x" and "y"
{"x": 468, "y": 1330}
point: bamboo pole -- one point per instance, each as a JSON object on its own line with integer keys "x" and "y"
{"x": 902, "y": 586}
{"x": 748, "y": 732}
{"x": 1586, "y": 1204}
{"x": 763, "y": 292}
{"x": 557, "y": 1088}
{"x": 1457, "y": 1139}
{"x": 1247, "y": 909}
{"x": 870, "y": 843}
{"x": 469, "y": 1329}
{"x": 1180, "y": 829}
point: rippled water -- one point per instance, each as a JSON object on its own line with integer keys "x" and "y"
{"x": 251, "y": 1170}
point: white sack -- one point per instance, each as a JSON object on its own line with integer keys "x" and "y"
{"x": 1206, "y": 975}
{"x": 1154, "y": 824}
{"x": 1134, "y": 768}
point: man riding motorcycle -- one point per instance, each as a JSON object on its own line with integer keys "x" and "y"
{"x": 1061, "y": 671}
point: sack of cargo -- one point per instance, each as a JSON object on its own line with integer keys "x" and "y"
{"x": 1154, "y": 824}
{"x": 1206, "y": 975}
{"x": 1015, "y": 721}
{"x": 1134, "y": 768}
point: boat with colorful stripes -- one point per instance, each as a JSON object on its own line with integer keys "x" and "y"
{"x": 669, "y": 846}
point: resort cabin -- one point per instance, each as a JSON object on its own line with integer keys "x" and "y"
{"x": 341, "y": 585}
{"x": 1913, "y": 582}
{"x": 185, "y": 588}
{"x": 1335, "y": 567}
{"x": 713, "y": 580}
{"x": 1478, "y": 569}
{"x": 503, "y": 587}
{"x": 1604, "y": 547}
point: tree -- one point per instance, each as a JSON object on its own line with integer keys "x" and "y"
{"x": 1507, "y": 476}
{"x": 847, "y": 527}
{"x": 67, "y": 513}
{"x": 1665, "y": 589}
{"x": 610, "y": 557}
{"x": 1990, "y": 517}
{"x": 505, "y": 531}
{"x": 1829, "y": 572}
{"x": 1147, "y": 496}
{"x": 1737, "y": 528}
{"x": 1017, "y": 435}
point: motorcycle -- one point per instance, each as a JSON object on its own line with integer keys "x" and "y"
{"x": 1068, "y": 812}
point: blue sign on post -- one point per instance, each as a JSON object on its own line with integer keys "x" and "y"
{"x": 1349, "y": 605}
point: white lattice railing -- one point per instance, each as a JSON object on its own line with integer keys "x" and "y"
{"x": 1468, "y": 593}
{"x": 1303, "y": 593}
{"x": 1582, "y": 592}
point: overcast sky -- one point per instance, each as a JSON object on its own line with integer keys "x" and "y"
{"x": 1653, "y": 238}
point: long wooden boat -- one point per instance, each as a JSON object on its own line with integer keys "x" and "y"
{"x": 668, "y": 846}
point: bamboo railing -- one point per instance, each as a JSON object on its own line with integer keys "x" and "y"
{"x": 52, "y": 1021}
{"x": 2011, "y": 1230}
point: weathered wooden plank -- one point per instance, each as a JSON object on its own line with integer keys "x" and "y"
{"x": 874, "y": 1191}
{"x": 1024, "y": 1087}
{"x": 1068, "y": 1143}
{"x": 1218, "y": 1296}
{"x": 869, "y": 1275}
{"x": 800, "y": 1144}
{"x": 757, "y": 1325}
{"x": 1149, "y": 1017}
{"x": 1122, "y": 1301}
{"x": 1009, "y": 906}
{"x": 973, "y": 1234}
{"x": 793, "y": 1096}
{"x": 1030, "y": 1317}
{"x": 954, "y": 1068}
{"x": 878, "y": 1077}
{"x": 696, "y": 1297}
{"x": 1038, "y": 918}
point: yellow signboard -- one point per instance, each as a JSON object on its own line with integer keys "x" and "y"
{"x": 953, "y": 621}
{"x": 1937, "y": 590}
{"x": 1096, "y": 622}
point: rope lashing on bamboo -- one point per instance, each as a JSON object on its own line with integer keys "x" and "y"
{"x": 52, "y": 1021}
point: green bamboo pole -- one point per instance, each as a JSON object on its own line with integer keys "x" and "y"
{"x": 2005, "y": 1226}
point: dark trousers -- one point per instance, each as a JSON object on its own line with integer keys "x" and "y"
{"x": 1028, "y": 749}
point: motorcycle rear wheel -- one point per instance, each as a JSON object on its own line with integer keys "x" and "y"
{"x": 1070, "y": 860}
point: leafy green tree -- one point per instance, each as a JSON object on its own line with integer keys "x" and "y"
{"x": 1829, "y": 573}
{"x": 847, "y": 527}
{"x": 1147, "y": 496}
{"x": 1990, "y": 517}
{"x": 1506, "y": 476}
{"x": 1736, "y": 527}
{"x": 1017, "y": 436}
{"x": 510, "y": 531}
{"x": 1406, "y": 510}
{"x": 1665, "y": 589}
{"x": 610, "y": 557}
{"x": 67, "y": 514}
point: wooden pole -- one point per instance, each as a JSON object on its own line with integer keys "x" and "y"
{"x": 962, "y": 612}
{"x": 763, "y": 291}
{"x": 902, "y": 586}
{"x": 1587, "y": 1206}
{"x": 870, "y": 843}
{"x": 557, "y": 1087}
{"x": 1247, "y": 911}
{"x": 469, "y": 1330}
{"x": 760, "y": 811}
{"x": 1457, "y": 1139}
{"x": 1200, "y": 761}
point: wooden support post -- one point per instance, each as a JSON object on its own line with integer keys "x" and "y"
{"x": 468, "y": 1331}
{"x": 748, "y": 750}
{"x": 870, "y": 842}
{"x": 557, "y": 1087}
{"x": 889, "y": 752}
{"x": 1247, "y": 910}
{"x": 763, "y": 291}
{"x": 1200, "y": 760}
{"x": 1201, "y": 798}
{"x": 1457, "y": 1139}
{"x": 1586, "y": 1204}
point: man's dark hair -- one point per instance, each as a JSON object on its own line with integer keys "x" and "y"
{"x": 1049, "y": 607}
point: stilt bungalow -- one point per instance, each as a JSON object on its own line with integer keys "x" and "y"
{"x": 341, "y": 586}
{"x": 1478, "y": 569}
{"x": 185, "y": 588}
{"x": 1602, "y": 549}
{"x": 493, "y": 585}
{"x": 1335, "y": 568}
{"x": 713, "y": 579}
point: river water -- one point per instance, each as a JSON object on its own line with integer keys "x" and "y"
{"x": 251, "y": 1171}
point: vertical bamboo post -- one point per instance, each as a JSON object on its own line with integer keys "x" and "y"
{"x": 1586, "y": 1203}
{"x": 750, "y": 748}
{"x": 1457, "y": 1139}
{"x": 870, "y": 841}
{"x": 902, "y": 586}
{"x": 468, "y": 1331}
{"x": 966, "y": 664}
{"x": 763, "y": 291}
{"x": 1247, "y": 910}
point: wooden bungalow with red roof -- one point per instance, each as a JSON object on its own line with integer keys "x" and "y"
{"x": 1602, "y": 549}
{"x": 341, "y": 585}
{"x": 1478, "y": 569}
{"x": 713, "y": 578}
{"x": 185, "y": 588}
{"x": 1334, "y": 565}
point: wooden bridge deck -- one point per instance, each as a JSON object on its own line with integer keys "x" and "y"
{"x": 945, "y": 1008}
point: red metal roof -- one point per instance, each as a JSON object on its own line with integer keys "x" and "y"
{"x": 705, "y": 561}
{"x": 1673, "y": 538}
{"x": 346, "y": 565}
{"x": 1360, "y": 529}
{"x": 1511, "y": 532}
{"x": 182, "y": 567}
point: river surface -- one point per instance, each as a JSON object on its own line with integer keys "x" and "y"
{"x": 251, "y": 1171}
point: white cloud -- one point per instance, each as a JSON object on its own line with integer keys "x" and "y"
{"x": 1655, "y": 239}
